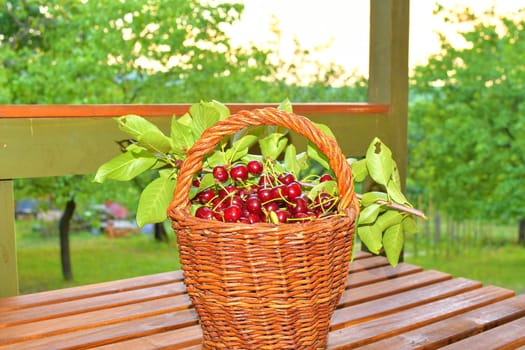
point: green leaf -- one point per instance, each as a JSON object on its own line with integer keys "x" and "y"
{"x": 395, "y": 194}
{"x": 155, "y": 141}
{"x": 135, "y": 125}
{"x": 395, "y": 174}
{"x": 302, "y": 161}
{"x": 359, "y": 169}
{"x": 393, "y": 243}
{"x": 154, "y": 201}
{"x": 369, "y": 214}
{"x": 372, "y": 197}
{"x": 326, "y": 186}
{"x": 136, "y": 149}
{"x": 185, "y": 120}
{"x": 379, "y": 162}
{"x": 315, "y": 154}
{"x": 388, "y": 219}
{"x": 273, "y": 145}
{"x": 240, "y": 147}
{"x": 206, "y": 114}
{"x": 409, "y": 225}
{"x": 181, "y": 136}
{"x": 286, "y": 106}
{"x": 290, "y": 160}
{"x": 371, "y": 236}
{"x": 168, "y": 172}
{"x": 221, "y": 108}
{"x": 125, "y": 167}
{"x": 216, "y": 158}
{"x": 325, "y": 129}
{"x": 207, "y": 181}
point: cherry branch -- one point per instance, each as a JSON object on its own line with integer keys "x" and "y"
{"x": 397, "y": 206}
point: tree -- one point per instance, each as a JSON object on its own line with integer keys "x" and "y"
{"x": 468, "y": 119}
{"x": 121, "y": 52}
{"x": 81, "y": 52}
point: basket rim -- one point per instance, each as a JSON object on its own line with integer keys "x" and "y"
{"x": 182, "y": 218}
{"x": 265, "y": 116}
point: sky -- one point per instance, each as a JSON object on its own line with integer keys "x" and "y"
{"x": 343, "y": 24}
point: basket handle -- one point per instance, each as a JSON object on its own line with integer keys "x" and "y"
{"x": 266, "y": 116}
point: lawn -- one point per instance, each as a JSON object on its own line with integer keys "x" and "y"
{"x": 487, "y": 253}
{"x": 502, "y": 266}
{"x": 95, "y": 258}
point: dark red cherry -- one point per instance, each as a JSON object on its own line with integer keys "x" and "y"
{"x": 255, "y": 167}
{"x": 239, "y": 172}
{"x": 282, "y": 215}
{"x": 204, "y": 213}
{"x": 325, "y": 177}
{"x": 294, "y": 190}
{"x": 253, "y": 204}
{"x": 286, "y": 178}
{"x": 220, "y": 173}
{"x": 232, "y": 213}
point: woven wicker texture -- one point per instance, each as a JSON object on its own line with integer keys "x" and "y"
{"x": 264, "y": 286}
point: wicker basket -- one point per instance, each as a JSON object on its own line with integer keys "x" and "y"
{"x": 264, "y": 286}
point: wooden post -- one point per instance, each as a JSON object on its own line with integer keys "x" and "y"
{"x": 388, "y": 72}
{"x": 8, "y": 269}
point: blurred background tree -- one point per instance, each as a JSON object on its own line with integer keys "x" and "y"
{"x": 141, "y": 52}
{"x": 92, "y": 52}
{"x": 467, "y": 121}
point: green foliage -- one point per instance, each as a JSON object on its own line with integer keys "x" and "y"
{"x": 159, "y": 51}
{"x": 468, "y": 120}
{"x": 154, "y": 52}
{"x": 386, "y": 216}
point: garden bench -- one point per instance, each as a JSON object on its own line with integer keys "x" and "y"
{"x": 404, "y": 307}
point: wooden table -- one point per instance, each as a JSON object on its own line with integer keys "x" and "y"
{"x": 383, "y": 308}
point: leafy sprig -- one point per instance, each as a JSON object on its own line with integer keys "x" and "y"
{"x": 385, "y": 218}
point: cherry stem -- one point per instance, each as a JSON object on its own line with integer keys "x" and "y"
{"x": 397, "y": 206}
{"x": 389, "y": 204}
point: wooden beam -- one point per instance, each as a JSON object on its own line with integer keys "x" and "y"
{"x": 388, "y": 77}
{"x": 8, "y": 267}
{"x": 35, "y": 146}
{"x": 152, "y": 110}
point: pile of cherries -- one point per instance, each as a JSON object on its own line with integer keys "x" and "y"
{"x": 246, "y": 193}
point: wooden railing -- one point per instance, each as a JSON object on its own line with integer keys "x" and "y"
{"x": 57, "y": 140}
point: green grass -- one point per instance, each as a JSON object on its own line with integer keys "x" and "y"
{"x": 491, "y": 256}
{"x": 94, "y": 258}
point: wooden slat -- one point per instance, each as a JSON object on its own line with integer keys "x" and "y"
{"x": 72, "y": 315}
{"x": 151, "y": 110}
{"x": 504, "y": 337}
{"x": 88, "y": 291}
{"x": 458, "y": 327}
{"x": 368, "y": 263}
{"x": 397, "y": 323}
{"x": 186, "y": 338}
{"x": 93, "y": 319}
{"x": 380, "y": 273}
{"x": 381, "y": 304}
{"x": 83, "y": 305}
{"x": 180, "y": 339}
{"x": 427, "y": 288}
{"x": 107, "y": 334}
{"x": 386, "y": 287}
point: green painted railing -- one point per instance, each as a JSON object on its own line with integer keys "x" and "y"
{"x": 56, "y": 140}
